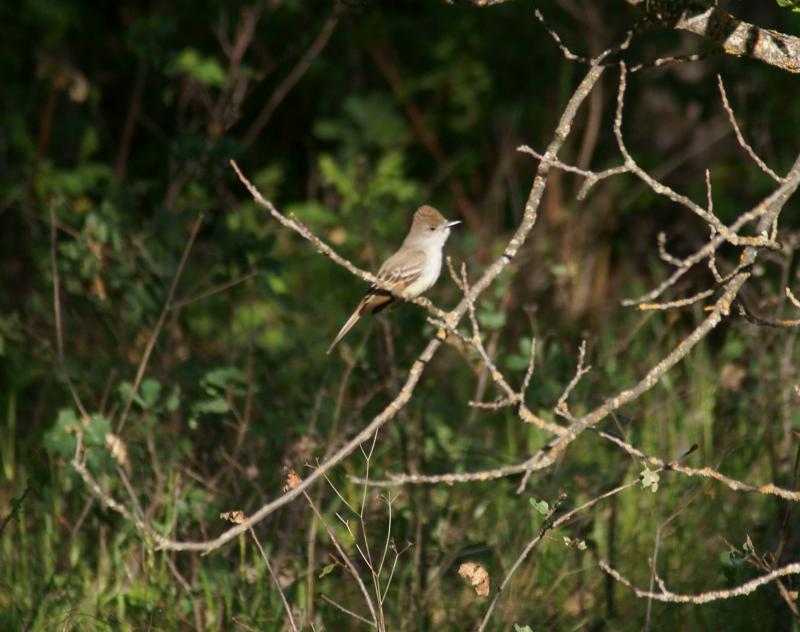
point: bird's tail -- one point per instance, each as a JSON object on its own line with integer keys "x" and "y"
{"x": 354, "y": 317}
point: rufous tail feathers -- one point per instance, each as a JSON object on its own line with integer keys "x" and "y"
{"x": 375, "y": 301}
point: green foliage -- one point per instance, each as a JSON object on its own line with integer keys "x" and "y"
{"x": 794, "y": 5}
{"x": 205, "y": 70}
{"x": 650, "y": 479}
{"x": 62, "y": 439}
{"x": 540, "y": 506}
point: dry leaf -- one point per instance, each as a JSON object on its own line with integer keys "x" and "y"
{"x": 292, "y": 480}
{"x": 731, "y": 376}
{"x": 117, "y": 449}
{"x": 237, "y": 517}
{"x": 477, "y": 576}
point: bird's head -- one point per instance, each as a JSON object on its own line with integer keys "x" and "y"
{"x": 430, "y": 226}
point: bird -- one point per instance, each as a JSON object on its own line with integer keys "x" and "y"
{"x": 410, "y": 271}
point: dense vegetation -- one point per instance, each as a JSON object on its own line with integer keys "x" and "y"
{"x": 118, "y": 124}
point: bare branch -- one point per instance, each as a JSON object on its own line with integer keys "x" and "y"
{"x": 792, "y": 298}
{"x": 766, "y": 212}
{"x": 761, "y": 164}
{"x": 511, "y": 397}
{"x": 512, "y": 247}
{"x": 529, "y": 371}
{"x": 750, "y": 317}
{"x": 676, "y": 59}
{"x": 662, "y": 251}
{"x": 323, "y": 248}
{"x": 655, "y": 185}
{"x": 591, "y": 177}
{"x": 683, "y": 302}
{"x": 739, "y": 38}
{"x": 561, "y": 407}
{"x": 733, "y": 36}
{"x": 557, "y": 39}
{"x": 705, "y": 597}
{"x": 768, "y": 489}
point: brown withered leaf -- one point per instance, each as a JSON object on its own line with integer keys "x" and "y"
{"x": 236, "y": 517}
{"x": 477, "y": 576}
{"x": 292, "y": 480}
{"x": 731, "y": 376}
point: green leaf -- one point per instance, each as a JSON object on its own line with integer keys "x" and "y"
{"x": 217, "y": 380}
{"x": 60, "y": 439}
{"x": 491, "y": 319}
{"x": 327, "y": 570}
{"x": 126, "y": 390}
{"x": 277, "y": 284}
{"x": 650, "y": 479}
{"x": 336, "y": 176}
{"x": 174, "y": 399}
{"x": 95, "y": 433}
{"x": 540, "y": 506}
{"x": 516, "y": 362}
{"x": 150, "y": 390}
{"x": 90, "y": 143}
{"x": 216, "y": 406}
{"x": 794, "y": 5}
{"x": 205, "y": 70}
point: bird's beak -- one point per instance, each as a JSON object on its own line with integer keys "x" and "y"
{"x": 454, "y": 223}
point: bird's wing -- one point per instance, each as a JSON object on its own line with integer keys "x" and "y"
{"x": 398, "y": 272}
{"x": 401, "y": 270}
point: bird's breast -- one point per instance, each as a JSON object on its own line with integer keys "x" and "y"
{"x": 428, "y": 276}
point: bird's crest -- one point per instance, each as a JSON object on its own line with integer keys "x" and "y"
{"x": 429, "y": 215}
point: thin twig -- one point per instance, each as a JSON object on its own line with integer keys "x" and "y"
{"x": 348, "y": 612}
{"x": 348, "y": 563}
{"x": 275, "y": 581}
{"x": 549, "y": 526}
{"x": 768, "y": 489}
{"x": 300, "y": 68}
{"x": 561, "y": 407}
{"x": 151, "y": 343}
{"x": 740, "y": 137}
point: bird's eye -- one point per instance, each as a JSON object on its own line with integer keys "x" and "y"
{"x": 432, "y": 228}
